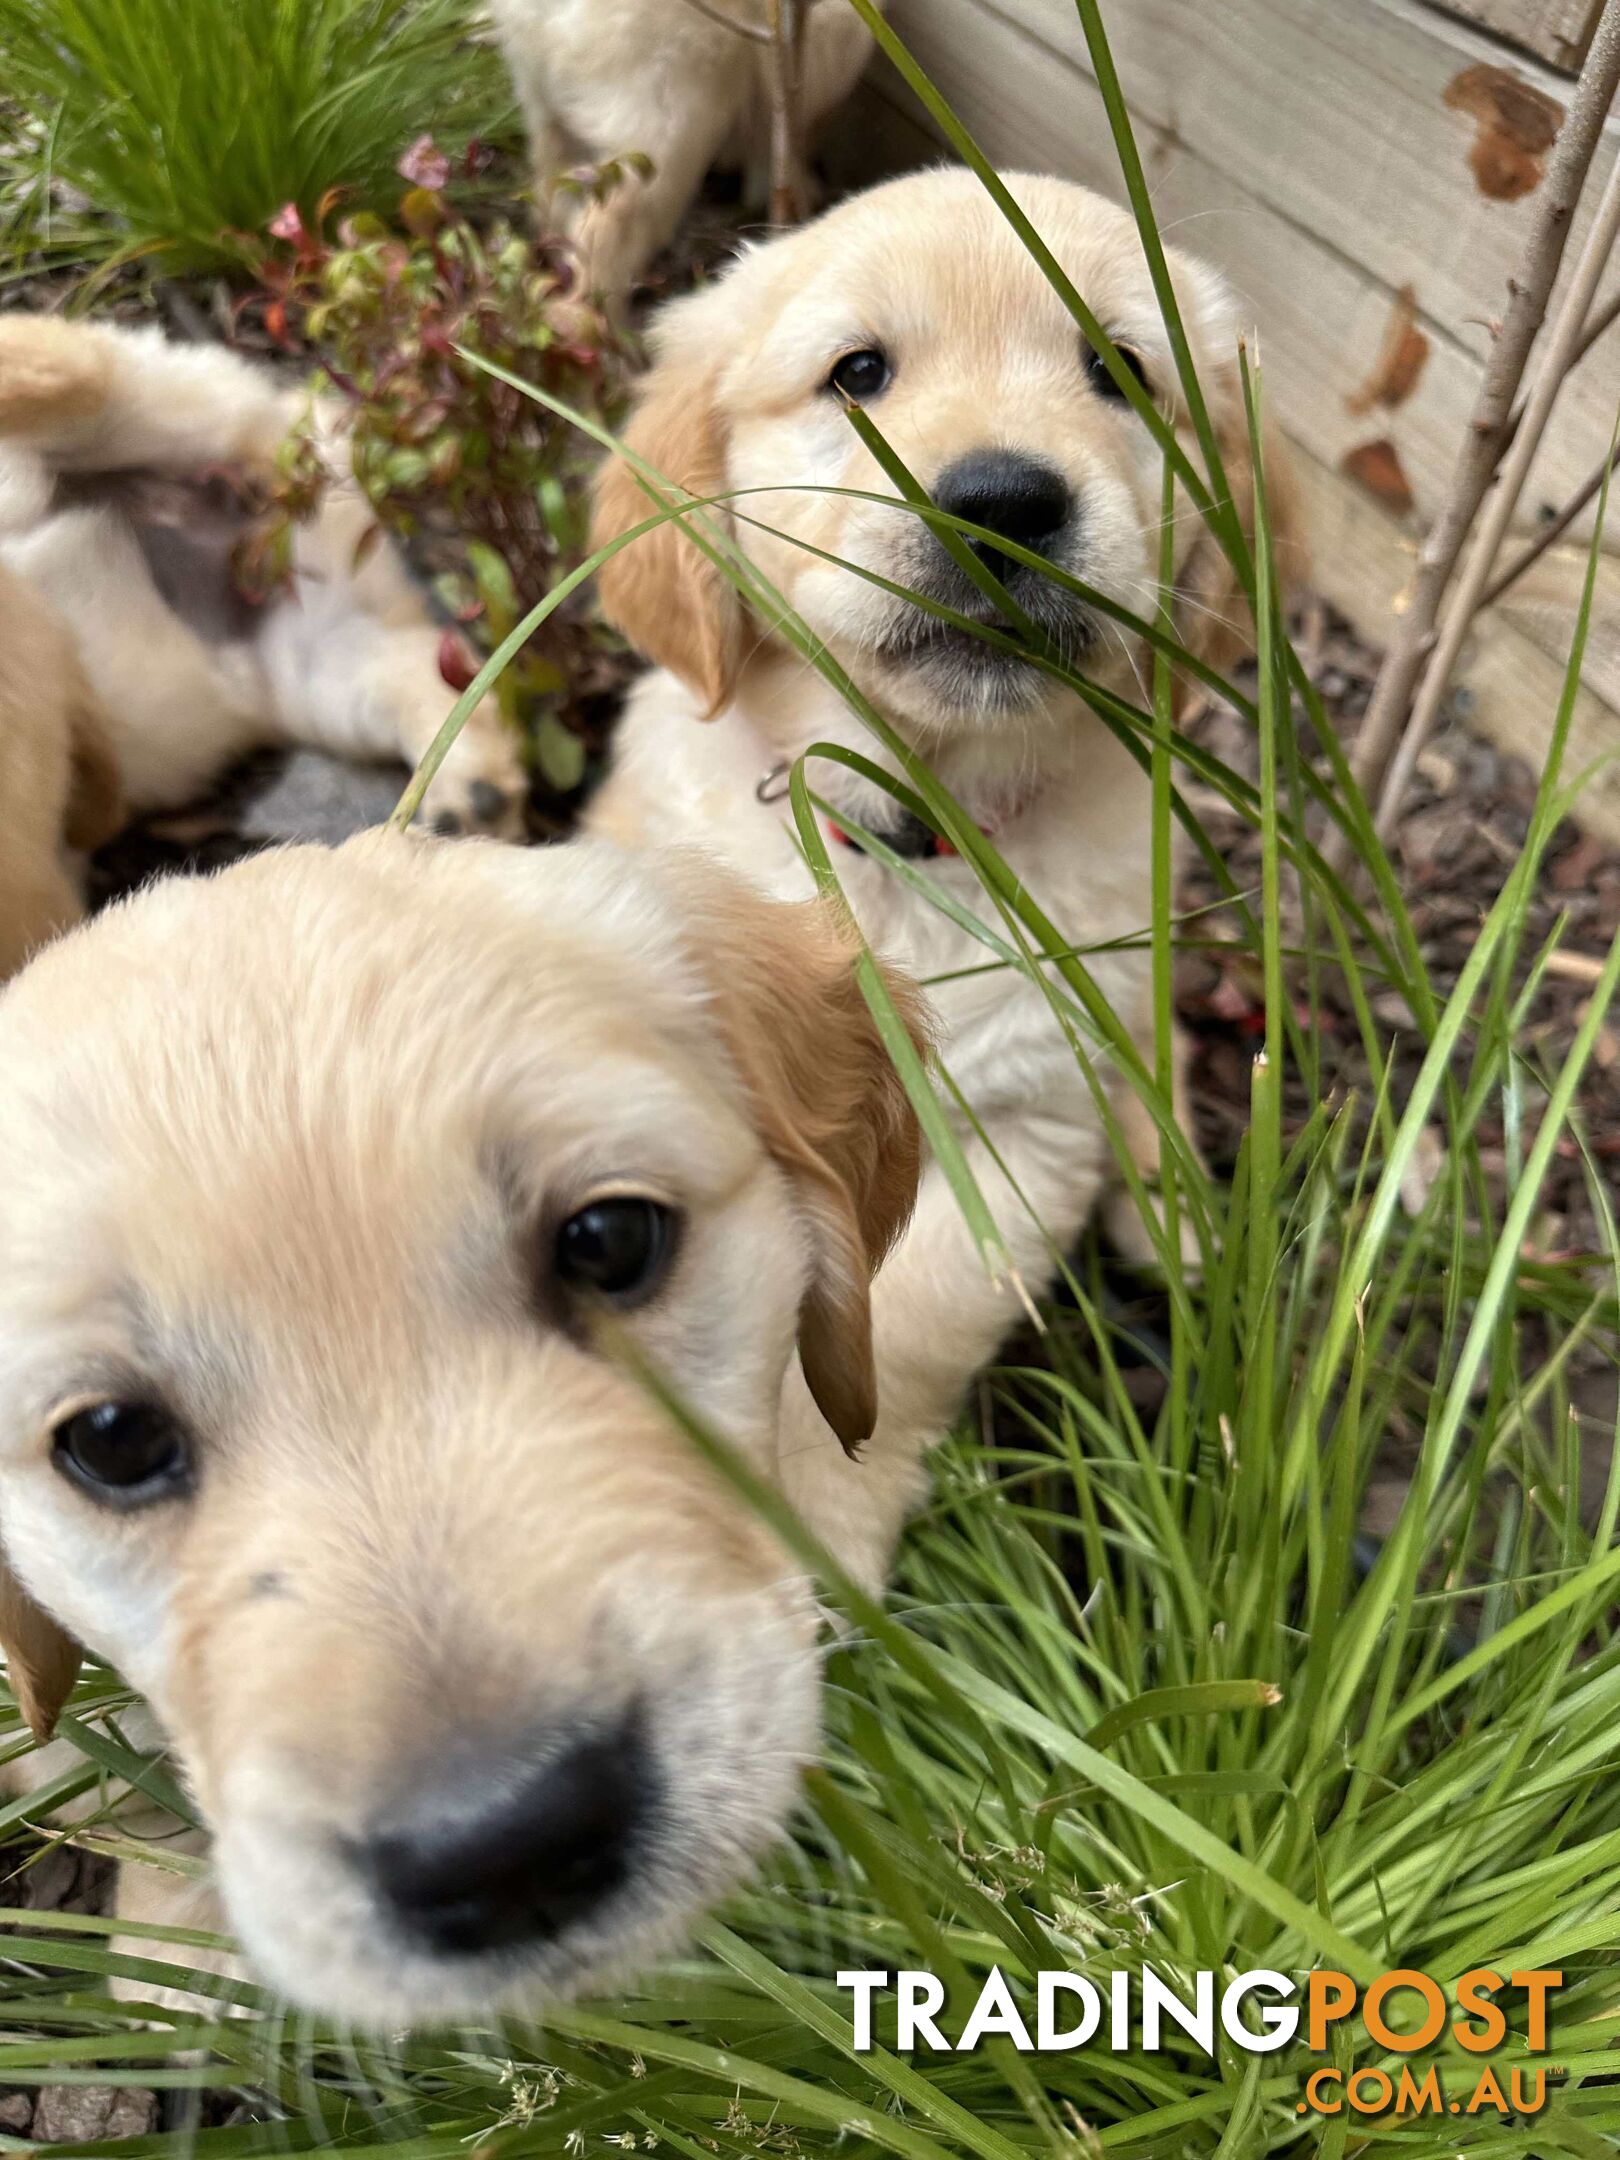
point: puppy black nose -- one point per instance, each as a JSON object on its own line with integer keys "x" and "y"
{"x": 505, "y": 1852}
{"x": 1020, "y": 497}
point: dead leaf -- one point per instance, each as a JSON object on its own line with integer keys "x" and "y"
{"x": 1517, "y": 125}
{"x": 1377, "y": 467}
{"x": 1400, "y": 364}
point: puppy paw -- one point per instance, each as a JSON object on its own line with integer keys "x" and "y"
{"x": 1131, "y": 1239}
{"x": 481, "y": 788}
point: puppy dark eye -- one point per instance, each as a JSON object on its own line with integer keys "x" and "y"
{"x": 1104, "y": 384}
{"x": 617, "y": 1248}
{"x": 861, "y": 376}
{"x": 124, "y": 1453}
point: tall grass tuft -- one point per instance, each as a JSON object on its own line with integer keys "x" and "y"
{"x": 181, "y": 124}
{"x": 1143, "y": 1699}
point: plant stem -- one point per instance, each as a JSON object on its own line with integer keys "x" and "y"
{"x": 787, "y": 25}
{"x": 1488, "y": 429}
{"x": 1553, "y": 531}
{"x": 1597, "y": 322}
{"x": 1498, "y": 512}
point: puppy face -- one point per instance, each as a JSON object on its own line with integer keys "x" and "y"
{"x": 919, "y": 302}
{"x": 318, "y": 1185}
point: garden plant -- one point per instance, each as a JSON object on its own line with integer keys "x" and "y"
{"x": 1145, "y": 1697}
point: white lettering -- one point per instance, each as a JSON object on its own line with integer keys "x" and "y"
{"x": 863, "y": 1985}
{"x": 1049, "y": 1985}
{"x": 1279, "y": 2018}
{"x": 918, "y": 1996}
{"x": 994, "y": 2012}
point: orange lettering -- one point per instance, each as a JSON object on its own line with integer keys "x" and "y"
{"x": 1474, "y": 1992}
{"x": 1313, "y": 2091}
{"x": 1385, "y": 2036}
{"x": 1536, "y": 2101}
{"x": 1383, "y": 2084}
{"x": 1411, "y": 2098}
{"x": 1487, "y": 2093}
{"x": 1329, "y": 1996}
{"x": 1538, "y": 1986}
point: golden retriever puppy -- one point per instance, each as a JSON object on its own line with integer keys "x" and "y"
{"x": 669, "y": 78}
{"x": 116, "y": 452}
{"x": 918, "y": 302}
{"x": 319, "y": 1242}
{"x": 58, "y": 788}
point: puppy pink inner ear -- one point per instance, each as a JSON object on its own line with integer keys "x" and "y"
{"x": 42, "y": 1659}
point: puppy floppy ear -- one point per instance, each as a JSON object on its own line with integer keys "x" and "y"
{"x": 830, "y": 1108}
{"x": 42, "y": 1660}
{"x": 662, "y": 591}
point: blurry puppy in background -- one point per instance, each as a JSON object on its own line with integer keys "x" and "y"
{"x": 125, "y": 464}
{"x": 312, "y": 1422}
{"x": 673, "y": 79}
{"x": 918, "y": 301}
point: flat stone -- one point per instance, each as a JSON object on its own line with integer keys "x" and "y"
{"x": 82, "y": 2114}
{"x": 318, "y": 798}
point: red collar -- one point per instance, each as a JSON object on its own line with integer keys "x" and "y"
{"x": 911, "y": 839}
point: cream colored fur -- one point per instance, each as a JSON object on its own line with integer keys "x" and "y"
{"x": 598, "y": 78}
{"x": 984, "y": 355}
{"x": 58, "y": 788}
{"x": 286, "y": 1151}
{"x": 346, "y": 660}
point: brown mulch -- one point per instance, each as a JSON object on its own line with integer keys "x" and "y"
{"x": 1462, "y": 828}
{"x": 60, "y": 1878}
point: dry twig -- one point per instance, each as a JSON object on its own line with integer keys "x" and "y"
{"x": 1497, "y": 513}
{"x": 788, "y": 18}
{"x": 1494, "y": 410}
{"x": 783, "y": 36}
{"x": 1553, "y": 531}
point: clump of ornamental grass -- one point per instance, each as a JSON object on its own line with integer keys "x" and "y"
{"x": 165, "y": 130}
{"x": 1140, "y": 1702}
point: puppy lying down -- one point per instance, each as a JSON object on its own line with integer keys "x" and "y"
{"x": 483, "y": 1682}
{"x": 124, "y": 460}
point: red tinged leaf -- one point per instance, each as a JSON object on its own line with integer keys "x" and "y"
{"x": 456, "y": 663}
{"x": 1229, "y": 1001}
{"x": 482, "y": 483}
{"x": 424, "y": 165}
